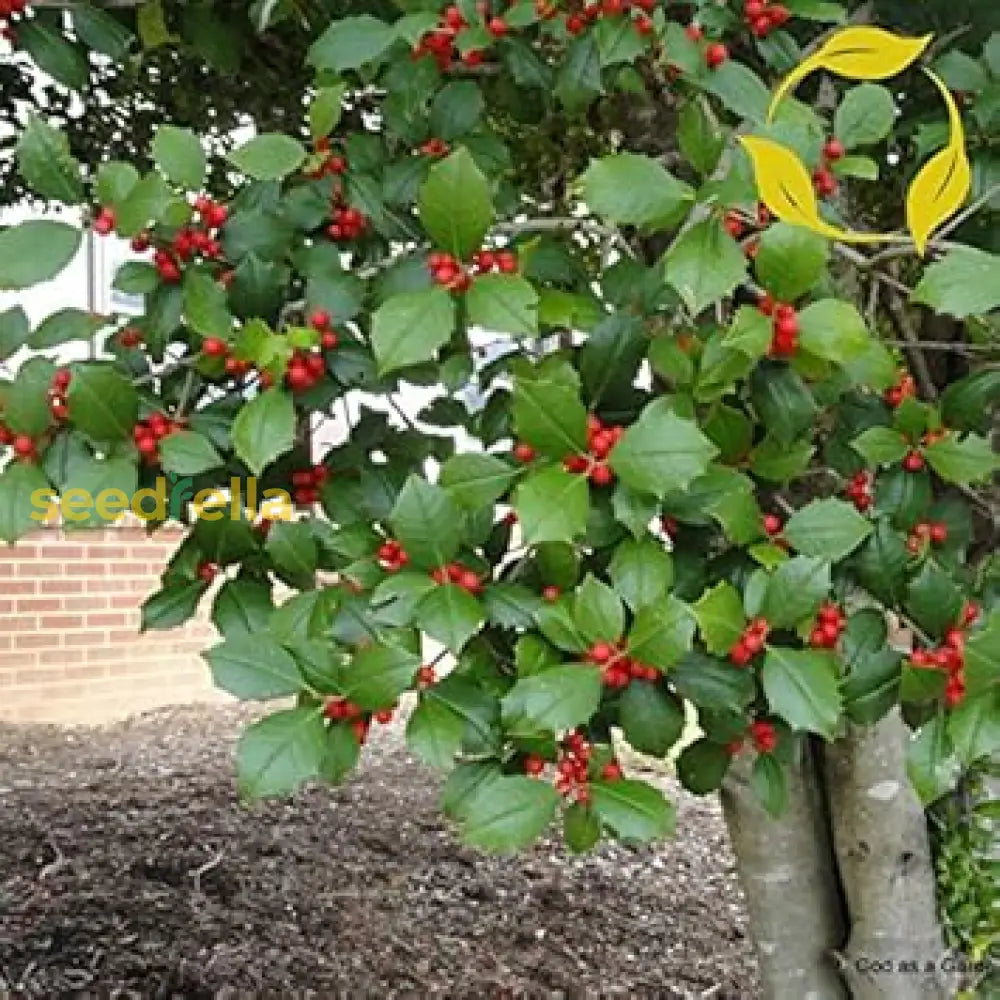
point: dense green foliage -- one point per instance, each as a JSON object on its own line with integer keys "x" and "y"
{"x": 672, "y": 457}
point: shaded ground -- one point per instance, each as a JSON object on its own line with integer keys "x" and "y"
{"x": 126, "y": 864}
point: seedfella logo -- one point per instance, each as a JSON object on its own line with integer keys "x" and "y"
{"x": 940, "y": 187}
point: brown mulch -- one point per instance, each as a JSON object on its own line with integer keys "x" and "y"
{"x": 129, "y": 868}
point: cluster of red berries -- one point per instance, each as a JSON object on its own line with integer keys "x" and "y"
{"x": 461, "y": 576}
{"x": 216, "y": 347}
{"x": 618, "y": 669}
{"x": 334, "y": 164}
{"x": 441, "y": 42}
{"x": 860, "y": 490}
{"x": 342, "y": 710}
{"x": 573, "y": 768}
{"x": 391, "y": 556}
{"x": 601, "y": 440}
{"x": 321, "y": 322}
{"x": 577, "y": 21}
{"x": 306, "y": 484}
{"x": 763, "y": 735}
{"x": 904, "y": 389}
{"x": 435, "y": 147}
{"x": 213, "y": 214}
{"x": 147, "y": 435}
{"x": 305, "y": 369}
{"x": 347, "y": 223}
{"x": 58, "y": 388}
{"x": 763, "y": 17}
{"x": 950, "y": 656}
{"x": 784, "y": 326}
{"x": 924, "y": 533}
{"x": 830, "y": 622}
{"x": 23, "y": 444}
{"x": 737, "y": 223}
{"x": 824, "y": 181}
{"x": 448, "y": 271}
{"x": 750, "y": 642}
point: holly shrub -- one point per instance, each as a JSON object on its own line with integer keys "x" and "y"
{"x": 674, "y": 455}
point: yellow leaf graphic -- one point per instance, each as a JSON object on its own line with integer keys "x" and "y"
{"x": 784, "y": 185}
{"x": 860, "y": 53}
{"x": 944, "y": 181}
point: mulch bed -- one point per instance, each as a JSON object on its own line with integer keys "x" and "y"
{"x": 129, "y": 868}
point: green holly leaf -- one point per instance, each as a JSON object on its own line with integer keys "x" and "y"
{"x": 254, "y": 667}
{"x": 427, "y": 523}
{"x": 476, "y": 480}
{"x": 434, "y": 733}
{"x": 933, "y": 600}
{"x": 962, "y": 460}
{"x": 702, "y": 766}
{"x": 242, "y": 607}
{"x": 379, "y": 674}
{"x": 783, "y": 402}
{"x": 581, "y": 828}
{"x": 642, "y": 571}
{"x": 549, "y": 416}
{"x": 103, "y": 404}
{"x": 982, "y": 656}
{"x": 662, "y": 633}
{"x": 103, "y": 32}
{"x": 720, "y": 617}
{"x": 767, "y": 779}
{"x": 178, "y": 153}
{"x": 931, "y": 763}
{"x": 281, "y": 752}
{"x": 507, "y": 813}
{"x": 833, "y": 330}
{"x": 292, "y": 549}
{"x": 350, "y": 43}
{"x": 171, "y": 606}
{"x": 35, "y": 251}
{"x": 45, "y": 162}
{"x": 455, "y": 204}
{"x": 831, "y": 529}
{"x": 597, "y": 611}
{"x": 264, "y": 429}
{"x": 552, "y": 505}
{"x": 965, "y": 282}
{"x": 974, "y": 727}
{"x": 635, "y": 190}
{"x": 268, "y": 157}
{"x": 880, "y": 446}
{"x": 795, "y": 591}
{"x": 705, "y": 265}
{"x": 188, "y": 453}
{"x": 408, "y": 329}
{"x": 579, "y": 79}
{"x": 555, "y": 699}
{"x": 866, "y": 116}
{"x": 23, "y": 499}
{"x": 661, "y": 451}
{"x": 64, "y": 326}
{"x": 791, "y": 260}
{"x": 634, "y": 810}
{"x": 802, "y": 686}
{"x": 52, "y": 53}
{"x": 505, "y": 303}
{"x": 651, "y": 718}
{"x": 449, "y": 614}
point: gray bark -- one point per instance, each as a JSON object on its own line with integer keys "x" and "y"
{"x": 789, "y": 878}
{"x": 895, "y": 946}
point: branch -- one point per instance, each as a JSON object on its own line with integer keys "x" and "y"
{"x": 903, "y": 323}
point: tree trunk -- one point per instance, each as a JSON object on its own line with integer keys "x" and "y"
{"x": 789, "y": 878}
{"x": 895, "y": 946}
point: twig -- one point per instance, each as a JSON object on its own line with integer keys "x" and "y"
{"x": 953, "y": 347}
{"x": 60, "y": 861}
{"x": 186, "y": 390}
{"x": 969, "y": 212}
{"x": 205, "y": 869}
{"x": 902, "y": 322}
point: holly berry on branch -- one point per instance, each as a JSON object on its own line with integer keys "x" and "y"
{"x": 392, "y": 556}
{"x": 830, "y": 623}
{"x": 750, "y": 642}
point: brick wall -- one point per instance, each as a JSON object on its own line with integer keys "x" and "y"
{"x": 70, "y": 649}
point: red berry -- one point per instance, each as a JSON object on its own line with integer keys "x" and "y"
{"x": 507, "y": 261}
{"x": 740, "y": 655}
{"x": 328, "y": 341}
{"x": 694, "y": 32}
{"x": 913, "y": 462}
{"x": 601, "y": 475}
{"x": 970, "y": 612}
{"x": 207, "y": 571}
{"x": 497, "y": 27}
{"x": 600, "y": 652}
{"x": 772, "y": 524}
{"x": 611, "y": 771}
{"x": 550, "y": 594}
{"x": 787, "y": 326}
{"x": 834, "y": 150}
{"x": 715, "y": 55}
{"x": 23, "y": 446}
{"x": 214, "y": 347}
{"x": 753, "y": 643}
{"x": 533, "y": 764}
{"x": 320, "y": 319}
{"x": 764, "y": 735}
{"x": 939, "y": 533}
{"x": 523, "y": 452}
{"x": 426, "y": 676}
